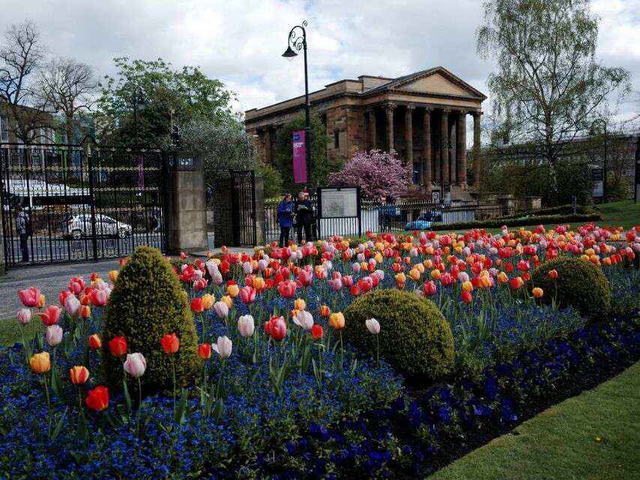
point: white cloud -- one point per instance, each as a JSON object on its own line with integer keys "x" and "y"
{"x": 241, "y": 41}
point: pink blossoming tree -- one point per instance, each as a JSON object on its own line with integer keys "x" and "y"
{"x": 378, "y": 174}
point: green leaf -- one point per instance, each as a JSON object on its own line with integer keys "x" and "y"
{"x": 59, "y": 425}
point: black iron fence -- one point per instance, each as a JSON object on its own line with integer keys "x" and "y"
{"x": 378, "y": 217}
{"x": 80, "y": 204}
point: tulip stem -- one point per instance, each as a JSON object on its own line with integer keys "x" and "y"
{"x": 139, "y": 406}
{"x": 173, "y": 368}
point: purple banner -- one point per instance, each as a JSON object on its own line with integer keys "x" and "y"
{"x": 299, "y": 157}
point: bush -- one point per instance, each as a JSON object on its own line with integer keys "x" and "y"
{"x": 148, "y": 302}
{"x": 580, "y": 284}
{"x": 519, "y": 222}
{"x": 414, "y": 336}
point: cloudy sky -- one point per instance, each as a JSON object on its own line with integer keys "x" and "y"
{"x": 241, "y": 41}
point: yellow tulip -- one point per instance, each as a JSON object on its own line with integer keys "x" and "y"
{"x": 435, "y": 274}
{"x": 299, "y": 304}
{"x": 336, "y": 320}
{"x": 40, "y": 362}
{"x": 233, "y": 290}
{"x": 467, "y": 286}
{"x": 401, "y": 278}
{"x": 208, "y": 300}
{"x": 503, "y": 277}
{"x": 228, "y": 300}
{"x": 113, "y": 276}
{"x": 414, "y": 274}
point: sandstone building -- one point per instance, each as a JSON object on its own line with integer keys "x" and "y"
{"x": 421, "y": 116}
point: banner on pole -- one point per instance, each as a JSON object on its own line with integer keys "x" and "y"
{"x": 299, "y": 157}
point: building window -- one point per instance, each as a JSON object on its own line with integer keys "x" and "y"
{"x": 4, "y": 129}
{"x": 336, "y": 139}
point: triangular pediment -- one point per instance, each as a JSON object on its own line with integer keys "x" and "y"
{"x": 438, "y": 81}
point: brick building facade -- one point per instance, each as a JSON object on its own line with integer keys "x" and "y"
{"x": 421, "y": 116}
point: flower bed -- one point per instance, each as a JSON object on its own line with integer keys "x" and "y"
{"x": 280, "y": 393}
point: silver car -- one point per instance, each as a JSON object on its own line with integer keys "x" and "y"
{"x": 79, "y": 226}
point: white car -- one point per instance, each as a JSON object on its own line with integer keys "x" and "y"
{"x": 79, "y": 226}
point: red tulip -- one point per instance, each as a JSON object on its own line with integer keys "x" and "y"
{"x": 466, "y": 296}
{"x": 316, "y": 332}
{"x": 276, "y": 328}
{"x": 98, "y": 399}
{"x": 204, "y": 351}
{"x": 50, "y": 316}
{"x": 553, "y": 274}
{"x": 118, "y": 346}
{"x": 196, "y": 305}
{"x": 287, "y": 288}
{"x": 76, "y": 285}
{"x": 429, "y": 288}
{"x": 95, "y": 342}
{"x": 170, "y": 343}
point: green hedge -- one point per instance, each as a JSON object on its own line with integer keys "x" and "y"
{"x": 147, "y": 303}
{"x": 580, "y": 284}
{"x": 559, "y": 210}
{"x": 414, "y": 336}
{"x": 519, "y": 222}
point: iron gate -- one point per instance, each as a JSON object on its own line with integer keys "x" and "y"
{"x": 243, "y": 208}
{"x": 82, "y": 205}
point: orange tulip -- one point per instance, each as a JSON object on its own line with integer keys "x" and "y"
{"x": 95, "y": 342}
{"x": 233, "y": 291}
{"x": 204, "y": 351}
{"x": 325, "y": 311}
{"x": 79, "y": 375}
{"x": 207, "y": 301}
{"x": 40, "y": 362}
{"x": 538, "y": 292}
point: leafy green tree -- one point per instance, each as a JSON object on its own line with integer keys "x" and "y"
{"x": 222, "y": 145}
{"x": 272, "y": 179}
{"x": 321, "y": 164}
{"x": 548, "y": 87}
{"x": 163, "y": 98}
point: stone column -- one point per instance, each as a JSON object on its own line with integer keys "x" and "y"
{"x": 477, "y": 161}
{"x": 427, "y": 178}
{"x": 444, "y": 146}
{"x": 267, "y": 146}
{"x": 186, "y": 214}
{"x": 372, "y": 128}
{"x": 408, "y": 133}
{"x": 453, "y": 165}
{"x": 389, "y": 109}
{"x": 461, "y": 149}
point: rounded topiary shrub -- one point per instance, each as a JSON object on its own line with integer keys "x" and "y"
{"x": 147, "y": 303}
{"x": 414, "y": 336}
{"x": 580, "y": 284}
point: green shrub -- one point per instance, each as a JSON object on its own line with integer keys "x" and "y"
{"x": 414, "y": 336}
{"x": 580, "y": 284}
{"x": 519, "y": 222}
{"x": 148, "y": 302}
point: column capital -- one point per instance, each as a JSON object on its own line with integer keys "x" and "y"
{"x": 476, "y": 113}
{"x": 390, "y": 105}
{"x": 446, "y": 110}
{"x": 410, "y": 106}
{"x": 462, "y": 111}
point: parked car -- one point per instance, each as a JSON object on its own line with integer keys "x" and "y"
{"x": 425, "y": 221}
{"x": 78, "y": 226}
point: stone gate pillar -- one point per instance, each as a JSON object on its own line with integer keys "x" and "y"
{"x": 186, "y": 209}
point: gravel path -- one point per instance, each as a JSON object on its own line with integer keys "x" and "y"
{"x": 50, "y": 279}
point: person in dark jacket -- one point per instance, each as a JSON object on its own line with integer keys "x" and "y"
{"x": 304, "y": 216}
{"x": 285, "y": 218}
{"x": 23, "y": 228}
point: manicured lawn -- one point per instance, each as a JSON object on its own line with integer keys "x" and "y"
{"x": 625, "y": 214}
{"x": 10, "y": 330}
{"x": 595, "y": 435}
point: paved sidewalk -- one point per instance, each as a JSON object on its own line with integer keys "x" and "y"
{"x": 50, "y": 279}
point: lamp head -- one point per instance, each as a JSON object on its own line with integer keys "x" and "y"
{"x": 289, "y": 53}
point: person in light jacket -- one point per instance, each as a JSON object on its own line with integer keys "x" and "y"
{"x": 285, "y": 219}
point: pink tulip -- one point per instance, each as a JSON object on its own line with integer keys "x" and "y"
{"x": 29, "y": 297}
{"x": 373, "y": 326}
{"x": 53, "y": 335}
{"x": 221, "y": 309}
{"x": 246, "y": 325}
{"x": 51, "y": 315}
{"x": 72, "y": 305}
{"x": 247, "y": 268}
{"x": 223, "y": 347}
{"x": 304, "y": 320}
{"x": 24, "y": 316}
{"x": 248, "y": 294}
{"x": 135, "y": 365}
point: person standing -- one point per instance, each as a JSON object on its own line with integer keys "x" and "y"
{"x": 23, "y": 227}
{"x": 285, "y": 219}
{"x": 304, "y": 216}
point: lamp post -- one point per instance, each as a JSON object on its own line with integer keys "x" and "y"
{"x": 299, "y": 42}
{"x": 604, "y": 167}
